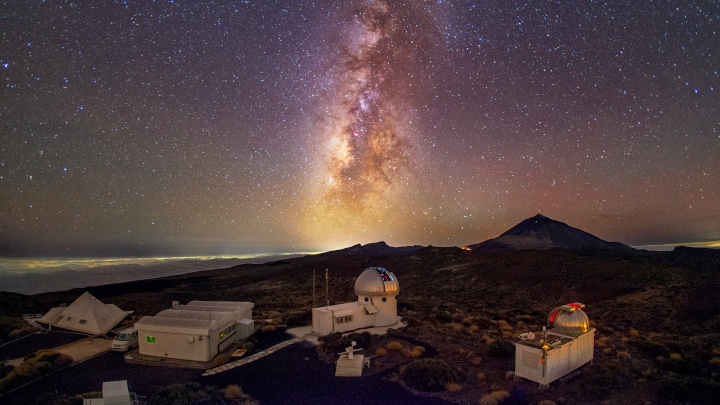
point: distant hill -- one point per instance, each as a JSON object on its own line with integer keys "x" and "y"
{"x": 541, "y": 233}
{"x": 375, "y": 249}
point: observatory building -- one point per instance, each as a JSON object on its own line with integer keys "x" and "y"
{"x": 197, "y": 331}
{"x": 555, "y": 352}
{"x": 376, "y": 305}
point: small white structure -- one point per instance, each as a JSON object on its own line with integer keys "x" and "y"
{"x": 547, "y": 356}
{"x": 377, "y": 291}
{"x": 350, "y": 364}
{"x": 86, "y": 315}
{"x": 114, "y": 393}
{"x": 197, "y": 331}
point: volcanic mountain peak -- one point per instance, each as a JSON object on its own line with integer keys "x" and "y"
{"x": 541, "y": 232}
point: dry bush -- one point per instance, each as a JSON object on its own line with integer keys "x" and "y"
{"x": 234, "y": 392}
{"x": 476, "y": 361}
{"x": 507, "y": 334}
{"x": 623, "y": 355}
{"x": 453, "y": 387}
{"x": 607, "y": 351}
{"x": 602, "y": 342}
{"x": 221, "y": 359}
{"x": 675, "y": 356}
{"x": 473, "y": 328}
{"x": 411, "y": 354}
{"x": 715, "y": 361}
{"x": 495, "y": 398}
{"x": 381, "y": 351}
{"x": 480, "y": 376}
{"x": 456, "y": 327}
{"x": 634, "y": 333}
{"x": 268, "y": 328}
{"x": 504, "y": 326}
{"x": 419, "y": 349}
{"x": 468, "y": 320}
{"x": 394, "y": 345}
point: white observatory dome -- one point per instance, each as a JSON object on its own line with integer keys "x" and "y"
{"x": 376, "y": 281}
{"x": 570, "y": 319}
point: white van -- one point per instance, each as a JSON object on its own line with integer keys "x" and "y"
{"x": 125, "y": 340}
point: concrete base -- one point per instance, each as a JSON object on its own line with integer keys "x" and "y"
{"x": 347, "y": 367}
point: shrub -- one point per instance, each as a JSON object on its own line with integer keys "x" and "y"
{"x": 298, "y": 318}
{"x": 428, "y": 375}
{"x": 395, "y": 345}
{"x": 411, "y": 354}
{"x": 653, "y": 349}
{"x": 221, "y": 359}
{"x": 181, "y": 393}
{"x": 623, "y": 355}
{"x": 419, "y": 349}
{"x": 234, "y": 392}
{"x": 495, "y": 398}
{"x": 381, "y": 351}
{"x": 42, "y": 362}
{"x": 501, "y": 348}
{"x": 480, "y": 376}
{"x": 453, "y": 387}
{"x": 268, "y": 328}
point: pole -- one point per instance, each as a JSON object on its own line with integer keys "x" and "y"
{"x": 313, "y": 304}
{"x": 327, "y": 298}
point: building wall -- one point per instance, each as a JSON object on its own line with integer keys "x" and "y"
{"x": 175, "y": 345}
{"x": 387, "y": 309}
{"x": 528, "y": 364}
{"x": 186, "y": 346}
{"x": 559, "y": 362}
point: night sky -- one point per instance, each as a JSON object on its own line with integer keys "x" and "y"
{"x": 194, "y": 127}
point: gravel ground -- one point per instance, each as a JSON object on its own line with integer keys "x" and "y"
{"x": 43, "y": 340}
{"x": 293, "y": 375}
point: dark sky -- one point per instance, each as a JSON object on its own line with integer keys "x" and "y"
{"x": 223, "y": 127}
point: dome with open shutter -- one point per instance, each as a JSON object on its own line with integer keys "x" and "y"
{"x": 376, "y": 281}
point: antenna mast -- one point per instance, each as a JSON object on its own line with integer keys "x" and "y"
{"x": 327, "y": 298}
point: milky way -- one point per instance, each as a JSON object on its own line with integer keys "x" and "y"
{"x": 204, "y": 127}
{"x": 387, "y": 51}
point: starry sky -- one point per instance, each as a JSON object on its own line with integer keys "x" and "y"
{"x": 189, "y": 127}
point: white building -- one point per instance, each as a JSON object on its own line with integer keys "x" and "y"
{"x": 197, "y": 331}
{"x": 377, "y": 291}
{"x": 568, "y": 344}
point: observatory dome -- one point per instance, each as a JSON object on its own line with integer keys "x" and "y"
{"x": 376, "y": 281}
{"x": 570, "y": 319}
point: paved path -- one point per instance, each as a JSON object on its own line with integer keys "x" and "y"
{"x": 253, "y": 357}
{"x": 86, "y": 348}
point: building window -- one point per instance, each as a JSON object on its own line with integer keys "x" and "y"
{"x": 344, "y": 319}
{"x": 367, "y": 299}
{"x": 82, "y": 322}
{"x": 150, "y": 339}
{"x": 384, "y": 299}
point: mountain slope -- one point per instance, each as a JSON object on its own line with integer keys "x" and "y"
{"x": 540, "y": 233}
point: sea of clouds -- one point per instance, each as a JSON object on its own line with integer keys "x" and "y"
{"x": 34, "y": 276}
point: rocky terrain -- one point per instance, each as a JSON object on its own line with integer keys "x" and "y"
{"x": 657, "y": 314}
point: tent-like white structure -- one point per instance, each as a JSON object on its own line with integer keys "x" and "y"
{"x": 86, "y": 314}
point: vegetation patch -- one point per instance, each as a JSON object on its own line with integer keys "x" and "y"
{"x": 429, "y": 375}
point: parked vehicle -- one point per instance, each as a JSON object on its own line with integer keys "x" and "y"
{"x": 125, "y": 340}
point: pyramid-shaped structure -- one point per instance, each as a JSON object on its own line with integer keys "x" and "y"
{"x": 86, "y": 314}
